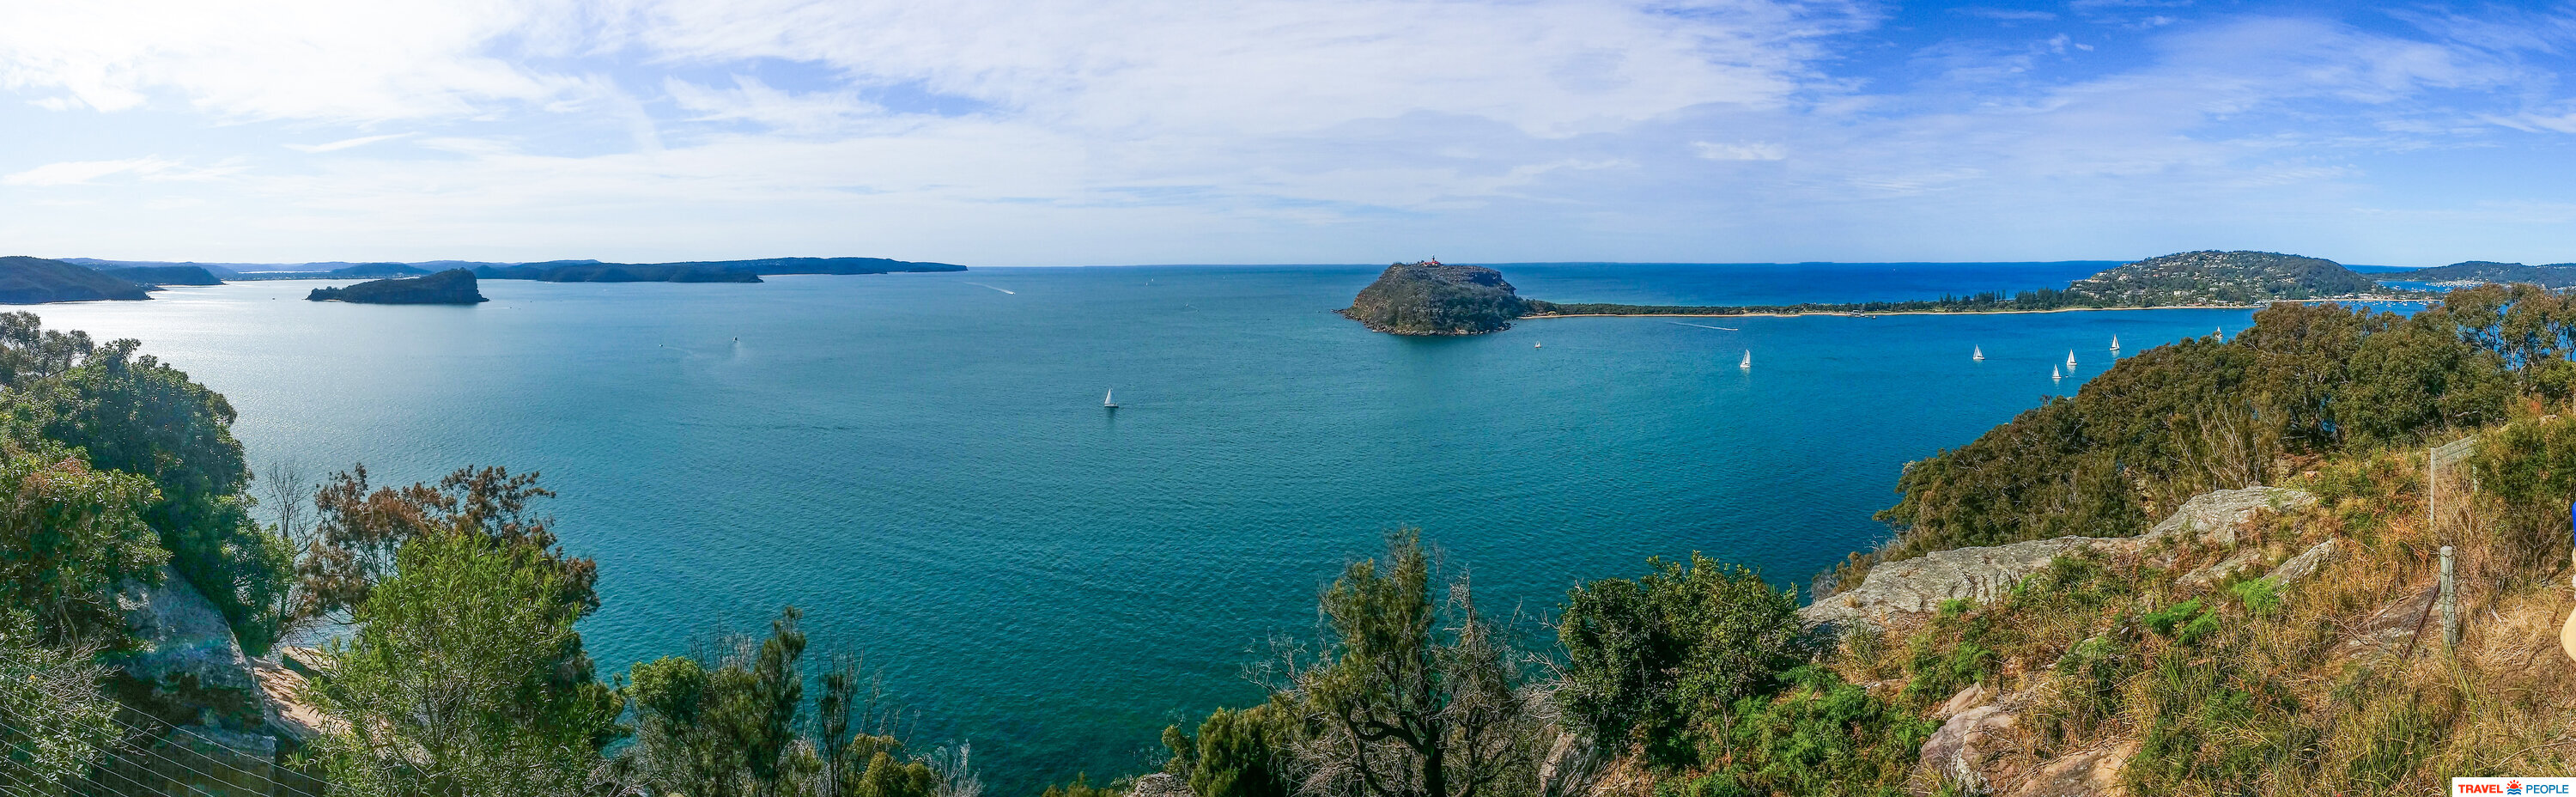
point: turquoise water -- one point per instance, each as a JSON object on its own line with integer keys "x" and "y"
{"x": 920, "y": 460}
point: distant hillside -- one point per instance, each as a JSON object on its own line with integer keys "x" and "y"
{"x": 453, "y": 286}
{"x": 700, "y": 270}
{"x": 2211, "y": 277}
{"x": 154, "y": 276}
{"x": 615, "y": 272}
{"x": 2553, "y": 275}
{"x": 375, "y": 270}
{"x": 35, "y": 280}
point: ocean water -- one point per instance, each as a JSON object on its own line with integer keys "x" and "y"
{"x": 921, "y": 461}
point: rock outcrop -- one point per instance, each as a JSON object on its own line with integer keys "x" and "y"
{"x": 1920, "y": 584}
{"x": 183, "y": 648}
{"x": 2306, "y": 564}
{"x": 1161, "y": 784}
{"x": 1968, "y": 747}
{"x": 453, "y": 286}
{"x": 2213, "y": 517}
{"x": 1432, "y": 298}
{"x": 2085, "y": 773}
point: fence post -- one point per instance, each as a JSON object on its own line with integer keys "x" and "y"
{"x": 2450, "y": 602}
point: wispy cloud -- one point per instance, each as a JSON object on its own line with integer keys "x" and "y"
{"x": 345, "y": 143}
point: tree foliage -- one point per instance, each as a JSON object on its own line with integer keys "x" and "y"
{"x": 454, "y": 684}
{"x": 728, "y": 725}
{"x": 72, "y": 534}
{"x": 54, "y": 723}
{"x": 1414, "y": 697}
{"x": 1649, "y": 660}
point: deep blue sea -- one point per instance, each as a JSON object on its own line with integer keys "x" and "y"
{"x": 921, "y": 461}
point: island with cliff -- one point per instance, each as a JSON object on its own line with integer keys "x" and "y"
{"x": 453, "y": 286}
{"x": 1434, "y": 298}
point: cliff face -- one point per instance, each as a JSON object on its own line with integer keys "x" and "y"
{"x": 35, "y": 280}
{"x": 1431, "y": 298}
{"x": 453, "y": 286}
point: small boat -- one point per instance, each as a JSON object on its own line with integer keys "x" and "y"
{"x": 2054, "y": 374}
{"x": 1108, "y": 400}
{"x": 1748, "y": 360}
{"x": 2115, "y": 343}
{"x": 1980, "y": 354}
{"x": 2070, "y": 359}
{"x": 2220, "y": 333}
{"x": 1538, "y": 345}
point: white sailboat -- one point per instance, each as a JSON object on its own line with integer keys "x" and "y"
{"x": 2115, "y": 343}
{"x": 1109, "y": 400}
{"x": 2054, "y": 374}
{"x": 1980, "y": 353}
{"x": 2070, "y": 359}
{"x": 1538, "y": 345}
{"x": 2220, "y": 332}
{"x": 1748, "y": 360}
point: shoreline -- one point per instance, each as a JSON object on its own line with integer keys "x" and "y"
{"x": 1856, "y": 314}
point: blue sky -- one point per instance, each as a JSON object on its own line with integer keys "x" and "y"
{"x": 1058, "y": 132}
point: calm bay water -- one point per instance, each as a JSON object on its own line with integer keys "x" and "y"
{"x": 920, "y": 461}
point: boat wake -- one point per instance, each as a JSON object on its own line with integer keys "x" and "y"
{"x": 982, "y": 285}
{"x": 1703, "y": 326}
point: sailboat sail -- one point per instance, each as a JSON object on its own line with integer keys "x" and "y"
{"x": 1748, "y": 360}
{"x": 2115, "y": 343}
{"x": 2070, "y": 358}
{"x": 1109, "y": 399}
{"x": 2053, "y": 373}
{"x": 1980, "y": 353}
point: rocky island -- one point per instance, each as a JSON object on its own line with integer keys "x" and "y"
{"x": 1432, "y": 298}
{"x": 35, "y": 280}
{"x": 453, "y": 286}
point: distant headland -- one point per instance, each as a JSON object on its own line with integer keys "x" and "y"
{"x": 1433, "y": 298}
{"x": 453, "y": 286}
{"x": 37, "y": 280}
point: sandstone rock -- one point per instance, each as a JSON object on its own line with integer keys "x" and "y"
{"x": 181, "y": 635}
{"x": 1920, "y": 584}
{"x": 282, "y": 702}
{"x": 1966, "y": 748}
{"x": 2088, "y": 773}
{"x": 1161, "y": 784}
{"x": 2213, "y": 517}
{"x": 1973, "y": 696}
{"x": 2306, "y": 564}
{"x": 2219, "y": 572}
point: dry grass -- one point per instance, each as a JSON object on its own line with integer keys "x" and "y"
{"x": 2277, "y": 698}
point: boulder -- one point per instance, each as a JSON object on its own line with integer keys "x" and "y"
{"x": 2214, "y": 516}
{"x": 181, "y": 641}
{"x": 1968, "y": 748}
{"x": 1161, "y": 784}
{"x": 2220, "y": 571}
{"x": 2306, "y": 564}
{"x": 1973, "y": 696}
{"x": 1920, "y": 584}
{"x": 2087, "y": 773}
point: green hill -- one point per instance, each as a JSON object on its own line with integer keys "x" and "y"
{"x": 453, "y": 286}
{"x": 35, "y": 280}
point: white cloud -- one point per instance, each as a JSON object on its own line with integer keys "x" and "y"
{"x": 345, "y": 143}
{"x": 1749, "y": 151}
{"x": 76, "y": 172}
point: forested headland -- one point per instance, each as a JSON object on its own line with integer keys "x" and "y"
{"x": 2147, "y": 649}
{"x": 1431, "y": 298}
